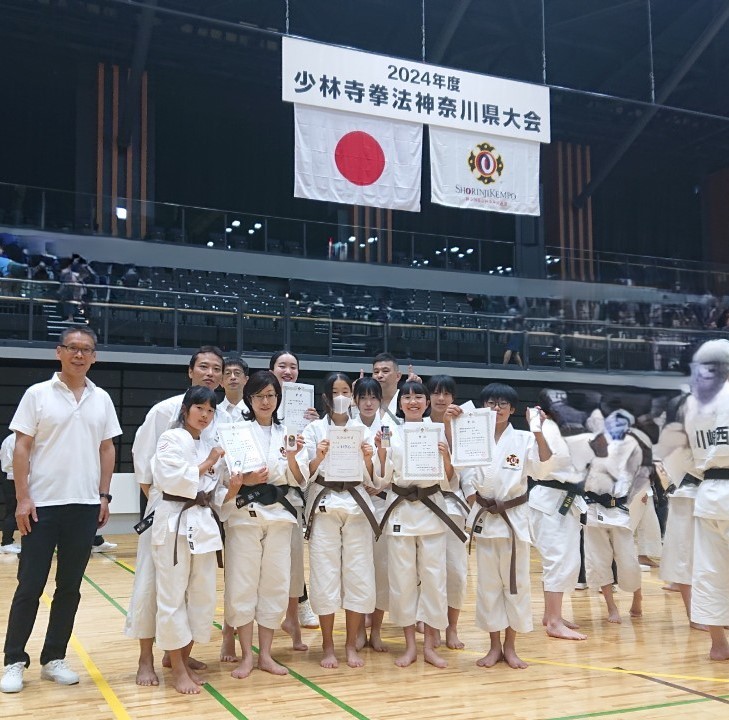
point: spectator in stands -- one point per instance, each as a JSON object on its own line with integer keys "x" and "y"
{"x": 130, "y": 278}
{"x": 476, "y": 302}
{"x": 70, "y": 291}
{"x": 11, "y": 268}
{"x": 515, "y": 344}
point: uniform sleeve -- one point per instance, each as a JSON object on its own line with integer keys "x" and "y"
{"x": 308, "y": 453}
{"x": 174, "y": 467}
{"x": 6, "y": 454}
{"x": 145, "y": 441}
{"x": 718, "y": 453}
{"x": 628, "y": 471}
{"x": 26, "y": 415}
{"x": 468, "y": 477}
{"x": 560, "y": 459}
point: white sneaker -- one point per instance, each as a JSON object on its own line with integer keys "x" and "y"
{"x": 104, "y": 547}
{"x": 58, "y": 671}
{"x": 11, "y": 549}
{"x": 307, "y": 619}
{"x": 12, "y": 681}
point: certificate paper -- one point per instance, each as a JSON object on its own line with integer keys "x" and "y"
{"x": 297, "y": 399}
{"x": 242, "y": 452}
{"x": 472, "y": 434}
{"x": 422, "y": 460}
{"x": 344, "y": 459}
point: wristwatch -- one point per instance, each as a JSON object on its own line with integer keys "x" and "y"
{"x": 105, "y": 495}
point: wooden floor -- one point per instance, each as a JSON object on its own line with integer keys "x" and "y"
{"x": 651, "y": 668}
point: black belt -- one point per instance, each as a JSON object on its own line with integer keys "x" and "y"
{"x": 607, "y": 500}
{"x": 203, "y": 500}
{"x": 351, "y": 488}
{"x": 264, "y": 494}
{"x": 382, "y": 495}
{"x": 571, "y": 489}
{"x": 422, "y": 494}
{"x": 716, "y": 474}
{"x": 499, "y": 507}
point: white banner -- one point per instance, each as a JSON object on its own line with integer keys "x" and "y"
{"x": 338, "y": 78}
{"x": 482, "y": 172}
{"x": 357, "y": 159}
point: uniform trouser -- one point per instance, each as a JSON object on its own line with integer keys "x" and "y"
{"x": 678, "y": 544}
{"x": 70, "y": 529}
{"x": 9, "y": 526}
{"x": 645, "y": 527}
{"x": 296, "y": 582}
{"x": 557, "y": 538}
{"x": 185, "y": 593}
{"x": 456, "y": 565}
{"x": 142, "y": 612}
{"x": 416, "y": 567}
{"x": 602, "y": 546}
{"x": 382, "y": 582}
{"x": 257, "y": 568}
{"x": 496, "y": 608}
{"x": 341, "y": 563}
{"x": 710, "y": 593}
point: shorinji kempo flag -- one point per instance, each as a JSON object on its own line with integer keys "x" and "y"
{"x": 356, "y": 159}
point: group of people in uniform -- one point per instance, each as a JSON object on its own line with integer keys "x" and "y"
{"x": 390, "y": 542}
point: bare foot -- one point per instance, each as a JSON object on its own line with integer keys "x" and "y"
{"x": 407, "y": 658}
{"x": 636, "y": 609}
{"x": 295, "y": 631}
{"x": 452, "y": 640}
{"x": 368, "y": 621}
{"x": 269, "y": 665}
{"x": 146, "y": 676}
{"x": 645, "y": 560}
{"x": 431, "y": 656}
{"x": 698, "y": 626}
{"x": 491, "y": 658}
{"x": 614, "y": 616}
{"x": 227, "y": 650}
{"x": 244, "y": 669}
{"x": 563, "y": 631}
{"x": 361, "y": 638}
{"x": 184, "y": 684}
{"x": 436, "y": 639}
{"x": 513, "y": 660}
{"x": 375, "y": 642}
{"x": 191, "y": 663}
{"x": 419, "y": 627}
{"x": 671, "y": 587}
{"x": 195, "y": 677}
{"x": 719, "y": 652}
{"x": 329, "y": 661}
{"x": 353, "y": 659}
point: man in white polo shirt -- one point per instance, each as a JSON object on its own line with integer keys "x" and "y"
{"x": 63, "y": 461}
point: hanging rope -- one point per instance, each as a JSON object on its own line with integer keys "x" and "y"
{"x": 650, "y": 47}
{"x": 544, "y": 46}
{"x": 422, "y": 30}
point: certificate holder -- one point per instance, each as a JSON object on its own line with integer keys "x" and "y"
{"x": 297, "y": 399}
{"x": 344, "y": 458}
{"x": 422, "y": 461}
{"x": 472, "y": 435}
{"x": 242, "y": 451}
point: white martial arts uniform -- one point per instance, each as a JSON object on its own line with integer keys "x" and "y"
{"x": 142, "y": 611}
{"x": 416, "y": 546}
{"x": 643, "y": 518}
{"x": 185, "y": 591}
{"x": 557, "y": 535}
{"x": 341, "y": 562}
{"x": 514, "y": 456}
{"x": 707, "y": 428}
{"x": 456, "y": 550}
{"x": 608, "y": 535}
{"x": 258, "y": 544}
{"x": 232, "y": 413}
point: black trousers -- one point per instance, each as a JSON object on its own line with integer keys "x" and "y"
{"x": 8, "y": 524}
{"x": 70, "y": 529}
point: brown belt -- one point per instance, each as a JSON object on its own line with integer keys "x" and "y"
{"x": 342, "y": 487}
{"x": 203, "y": 500}
{"x": 422, "y": 494}
{"x": 499, "y": 507}
{"x": 454, "y": 496}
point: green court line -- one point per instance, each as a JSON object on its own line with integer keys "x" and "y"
{"x": 303, "y": 680}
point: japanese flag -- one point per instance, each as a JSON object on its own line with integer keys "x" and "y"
{"x": 356, "y": 159}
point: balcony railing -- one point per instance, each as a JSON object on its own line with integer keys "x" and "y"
{"x": 145, "y": 319}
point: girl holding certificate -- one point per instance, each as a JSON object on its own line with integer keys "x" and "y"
{"x": 340, "y": 519}
{"x": 185, "y": 534}
{"x": 285, "y": 366}
{"x": 259, "y": 523}
{"x": 442, "y": 395}
{"x": 497, "y": 492}
{"x": 418, "y": 464}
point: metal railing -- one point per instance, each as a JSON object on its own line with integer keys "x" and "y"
{"x": 167, "y": 319}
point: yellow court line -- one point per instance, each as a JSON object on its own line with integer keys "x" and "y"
{"x": 100, "y": 681}
{"x": 129, "y": 567}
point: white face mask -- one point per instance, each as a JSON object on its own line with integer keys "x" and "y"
{"x": 342, "y": 404}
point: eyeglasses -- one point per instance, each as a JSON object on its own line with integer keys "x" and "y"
{"x": 261, "y": 398}
{"x": 233, "y": 373}
{"x": 497, "y": 403}
{"x": 75, "y": 349}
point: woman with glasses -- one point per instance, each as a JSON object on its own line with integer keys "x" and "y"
{"x": 340, "y": 524}
{"x": 497, "y": 492}
{"x": 259, "y": 522}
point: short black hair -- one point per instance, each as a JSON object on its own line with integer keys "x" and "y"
{"x": 258, "y": 381}
{"x": 367, "y": 386}
{"x": 414, "y": 387}
{"x": 83, "y": 329}
{"x": 326, "y": 394}
{"x": 385, "y": 357}
{"x": 196, "y": 395}
{"x": 235, "y": 361}
{"x": 442, "y": 383}
{"x": 281, "y": 353}
{"x": 498, "y": 391}
{"x": 204, "y": 350}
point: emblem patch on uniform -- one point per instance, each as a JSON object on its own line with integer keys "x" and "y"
{"x": 395, "y": 528}
{"x": 512, "y": 460}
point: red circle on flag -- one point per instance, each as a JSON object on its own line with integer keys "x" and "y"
{"x": 360, "y": 158}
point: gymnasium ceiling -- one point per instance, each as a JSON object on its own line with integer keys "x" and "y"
{"x": 598, "y": 52}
